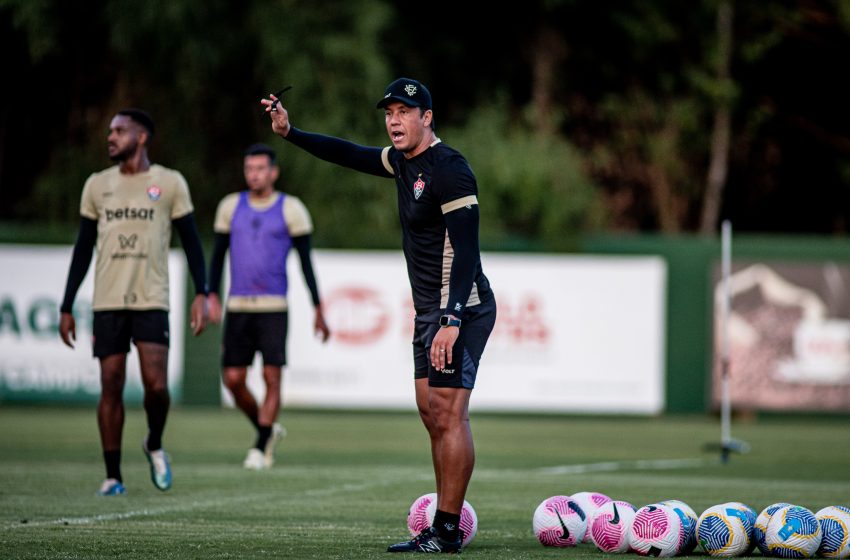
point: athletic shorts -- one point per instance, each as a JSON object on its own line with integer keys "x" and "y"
{"x": 476, "y": 325}
{"x": 112, "y": 331}
{"x": 245, "y": 334}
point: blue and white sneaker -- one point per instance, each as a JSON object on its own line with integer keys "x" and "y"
{"x": 160, "y": 467}
{"x": 111, "y": 487}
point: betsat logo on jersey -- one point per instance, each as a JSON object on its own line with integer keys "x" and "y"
{"x": 129, "y": 214}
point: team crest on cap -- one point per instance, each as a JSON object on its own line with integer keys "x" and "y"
{"x": 154, "y": 192}
{"x": 418, "y": 187}
{"x": 410, "y": 89}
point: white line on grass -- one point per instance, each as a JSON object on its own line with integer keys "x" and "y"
{"x": 87, "y": 520}
{"x": 639, "y": 464}
{"x": 608, "y": 466}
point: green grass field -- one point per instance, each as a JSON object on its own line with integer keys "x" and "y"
{"x": 344, "y": 480}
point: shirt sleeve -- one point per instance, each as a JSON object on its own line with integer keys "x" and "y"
{"x": 224, "y": 213}
{"x": 182, "y": 201}
{"x": 88, "y": 209}
{"x": 455, "y": 185}
{"x": 297, "y": 217}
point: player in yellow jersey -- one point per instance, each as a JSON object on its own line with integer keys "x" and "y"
{"x": 127, "y": 212}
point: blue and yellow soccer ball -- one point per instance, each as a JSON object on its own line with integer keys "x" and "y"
{"x": 761, "y": 525}
{"x": 793, "y": 532}
{"x": 724, "y": 530}
{"x": 835, "y": 528}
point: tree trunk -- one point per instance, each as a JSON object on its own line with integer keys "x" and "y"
{"x": 718, "y": 169}
{"x": 548, "y": 50}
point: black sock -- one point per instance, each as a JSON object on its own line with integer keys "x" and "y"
{"x": 255, "y": 421}
{"x": 447, "y": 525}
{"x": 113, "y": 464}
{"x": 263, "y": 435}
{"x": 154, "y": 441}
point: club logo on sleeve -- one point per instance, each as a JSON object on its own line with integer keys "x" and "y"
{"x": 154, "y": 192}
{"x": 418, "y": 187}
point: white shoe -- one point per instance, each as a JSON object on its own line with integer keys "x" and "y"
{"x": 255, "y": 460}
{"x": 111, "y": 487}
{"x": 278, "y": 433}
{"x": 160, "y": 467}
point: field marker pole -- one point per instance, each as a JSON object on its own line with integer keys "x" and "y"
{"x": 727, "y": 444}
{"x": 725, "y": 304}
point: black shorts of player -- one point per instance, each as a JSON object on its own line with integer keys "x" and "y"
{"x": 476, "y": 325}
{"x": 112, "y": 331}
{"x": 245, "y": 334}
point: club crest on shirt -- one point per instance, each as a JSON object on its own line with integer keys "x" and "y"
{"x": 154, "y": 192}
{"x": 418, "y": 187}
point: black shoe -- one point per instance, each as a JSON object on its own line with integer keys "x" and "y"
{"x": 427, "y": 541}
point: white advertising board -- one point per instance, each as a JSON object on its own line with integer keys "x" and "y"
{"x": 573, "y": 334}
{"x": 34, "y": 363}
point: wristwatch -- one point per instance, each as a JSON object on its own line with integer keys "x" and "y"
{"x": 449, "y": 321}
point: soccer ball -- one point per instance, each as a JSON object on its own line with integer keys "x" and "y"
{"x": 724, "y": 530}
{"x": 468, "y": 520}
{"x": 688, "y": 518}
{"x": 559, "y": 521}
{"x": 793, "y": 532}
{"x": 751, "y": 515}
{"x": 760, "y": 525}
{"x": 423, "y": 509}
{"x": 835, "y": 526}
{"x": 589, "y": 502}
{"x": 656, "y": 531}
{"x": 417, "y": 521}
{"x": 610, "y": 525}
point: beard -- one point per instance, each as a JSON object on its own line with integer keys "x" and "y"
{"x": 124, "y": 155}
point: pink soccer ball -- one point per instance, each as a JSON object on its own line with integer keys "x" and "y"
{"x": 610, "y": 525}
{"x": 589, "y": 503}
{"x": 417, "y": 520}
{"x": 656, "y": 531}
{"x": 559, "y": 521}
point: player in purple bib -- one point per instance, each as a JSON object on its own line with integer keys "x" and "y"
{"x": 259, "y": 226}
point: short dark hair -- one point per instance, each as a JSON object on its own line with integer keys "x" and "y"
{"x": 140, "y": 117}
{"x": 260, "y": 149}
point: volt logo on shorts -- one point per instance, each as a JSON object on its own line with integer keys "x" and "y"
{"x": 447, "y": 371}
{"x": 130, "y": 214}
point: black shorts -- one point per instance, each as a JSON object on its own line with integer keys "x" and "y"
{"x": 245, "y": 334}
{"x": 112, "y": 331}
{"x": 476, "y": 325}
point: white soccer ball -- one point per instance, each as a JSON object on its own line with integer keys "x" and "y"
{"x": 688, "y": 518}
{"x": 724, "y": 530}
{"x": 793, "y": 532}
{"x": 559, "y": 521}
{"x": 610, "y": 525}
{"x": 589, "y": 503}
{"x": 835, "y": 528}
{"x": 751, "y": 515}
{"x": 656, "y": 531}
{"x": 760, "y": 526}
{"x": 468, "y": 520}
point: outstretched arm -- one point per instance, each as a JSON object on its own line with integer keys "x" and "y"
{"x": 366, "y": 159}
{"x": 80, "y": 261}
{"x": 185, "y": 226}
{"x": 302, "y": 245}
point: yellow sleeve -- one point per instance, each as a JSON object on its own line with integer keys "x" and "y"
{"x": 224, "y": 213}
{"x": 297, "y": 217}
{"x": 88, "y": 209}
{"x": 182, "y": 204}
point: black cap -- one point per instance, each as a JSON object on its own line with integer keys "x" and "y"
{"x": 408, "y": 91}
